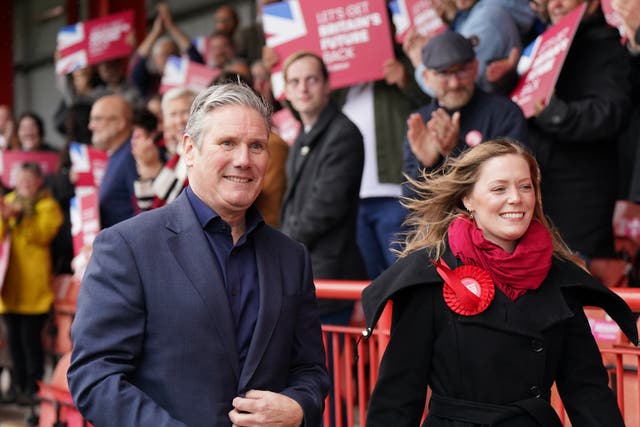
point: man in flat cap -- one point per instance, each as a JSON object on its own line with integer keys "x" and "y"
{"x": 461, "y": 114}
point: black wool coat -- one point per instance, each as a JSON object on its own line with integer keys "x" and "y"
{"x": 503, "y": 360}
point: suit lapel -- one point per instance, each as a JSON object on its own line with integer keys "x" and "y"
{"x": 192, "y": 251}
{"x": 270, "y": 282}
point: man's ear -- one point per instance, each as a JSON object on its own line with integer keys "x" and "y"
{"x": 188, "y": 149}
{"x": 427, "y": 77}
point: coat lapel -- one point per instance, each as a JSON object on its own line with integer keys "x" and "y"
{"x": 307, "y": 142}
{"x": 192, "y": 251}
{"x": 270, "y": 282}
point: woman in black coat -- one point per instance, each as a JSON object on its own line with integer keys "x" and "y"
{"x": 487, "y": 306}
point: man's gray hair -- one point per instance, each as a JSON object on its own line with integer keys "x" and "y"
{"x": 222, "y": 95}
{"x": 176, "y": 93}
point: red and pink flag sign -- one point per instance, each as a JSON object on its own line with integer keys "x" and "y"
{"x": 286, "y": 125}
{"x": 94, "y": 41}
{"x": 538, "y": 83}
{"x": 181, "y": 72}
{"x": 85, "y": 217}
{"x": 11, "y": 161}
{"x": 352, "y": 37}
{"x": 419, "y": 14}
{"x": 88, "y": 164}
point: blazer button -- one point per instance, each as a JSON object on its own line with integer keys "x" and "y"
{"x": 535, "y": 392}
{"x": 537, "y": 346}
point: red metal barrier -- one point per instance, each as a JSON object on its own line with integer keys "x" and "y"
{"x": 353, "y": 380}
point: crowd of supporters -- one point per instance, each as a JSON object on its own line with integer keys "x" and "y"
{"x": 585, "y": 139}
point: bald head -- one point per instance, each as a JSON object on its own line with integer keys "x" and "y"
{"x": 110, "y": 122}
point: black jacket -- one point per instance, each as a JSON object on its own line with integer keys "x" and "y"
{"x": 320, "y": 205}
{"x": 506, "y": 358}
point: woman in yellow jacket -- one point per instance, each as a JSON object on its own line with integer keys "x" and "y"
{"x": 31, "y": 216}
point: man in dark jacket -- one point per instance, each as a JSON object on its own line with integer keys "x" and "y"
{"x": 324, "y": 169}
{"x": 461, "y": 115}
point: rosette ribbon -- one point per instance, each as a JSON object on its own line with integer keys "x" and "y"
{"x": 468, "y": 290}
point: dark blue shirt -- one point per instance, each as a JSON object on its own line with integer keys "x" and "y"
{"x": 237, "y": 265}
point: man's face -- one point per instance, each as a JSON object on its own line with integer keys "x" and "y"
{"x": 111, "y": 72}
{"x": 454, "y": 86}
{"x": 220, "y": 51}
{"x": 28, "y": 183}
{"x": 227, "y": 171}
{"x": 107, "y": 123}
{"x": 306, "y": 88}
{"x": 161, "y": 54}
{"x": 175, "y": 120}
{"x": 261, "y": 79}
{"x": 224, "y": 20}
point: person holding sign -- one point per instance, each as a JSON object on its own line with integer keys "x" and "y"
{"x": 488, "y": 306}
{"x": 31, "y": 218}
{"x": 156, "y": 49}
{"x": 629, "y": 13}
{"x": 461, "y": 115}
{"x": 574, "y": 136}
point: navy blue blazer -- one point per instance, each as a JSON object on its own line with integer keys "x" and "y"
{"x": 154, "y": 342}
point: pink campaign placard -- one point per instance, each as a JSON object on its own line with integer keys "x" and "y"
{"x": 94, "y": 41}
{"x": 415, "y": 13}
{"x": 11, "y": 161}
{"x": 181, "y": 72}
{"x": 539, "y": 81}
{"x": 84, "y": 213}
{"x": 353, "y": 37}
{"x": 88, "y": 164}
{"x": 286, "y": 125}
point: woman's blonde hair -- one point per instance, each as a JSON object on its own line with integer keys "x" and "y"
{"x": 439, "y": 198}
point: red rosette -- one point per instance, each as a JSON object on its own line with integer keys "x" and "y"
{"x": 468, "y": 289}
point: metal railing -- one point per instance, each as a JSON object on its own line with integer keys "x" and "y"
{"x": 354, "y": 378}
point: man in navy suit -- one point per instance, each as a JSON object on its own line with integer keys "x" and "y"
{"x": 198, "y": 313}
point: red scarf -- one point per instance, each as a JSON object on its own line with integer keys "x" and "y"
{"x": 514, "y": 274}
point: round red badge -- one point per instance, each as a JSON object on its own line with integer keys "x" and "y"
{"x": 468, "y": 290}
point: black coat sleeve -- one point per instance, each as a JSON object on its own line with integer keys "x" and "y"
{"x": 400, "y": 393}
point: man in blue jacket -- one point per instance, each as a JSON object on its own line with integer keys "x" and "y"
{"x": 198, "y": 313}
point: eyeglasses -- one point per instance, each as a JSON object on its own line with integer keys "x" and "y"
{"x": 99, "y": 119}
{"x": 309, "y": 81}
{"x": 462, "y": 73}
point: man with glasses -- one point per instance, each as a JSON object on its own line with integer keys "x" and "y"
{"x": 324, "y": 169}
{"x": 110, "y": 123}
{"x": 461, "y": 114}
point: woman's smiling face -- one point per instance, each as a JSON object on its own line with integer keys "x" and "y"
{"x": 503, "y": 200}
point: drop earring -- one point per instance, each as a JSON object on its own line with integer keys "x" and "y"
{"x": 471, "y": 217}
